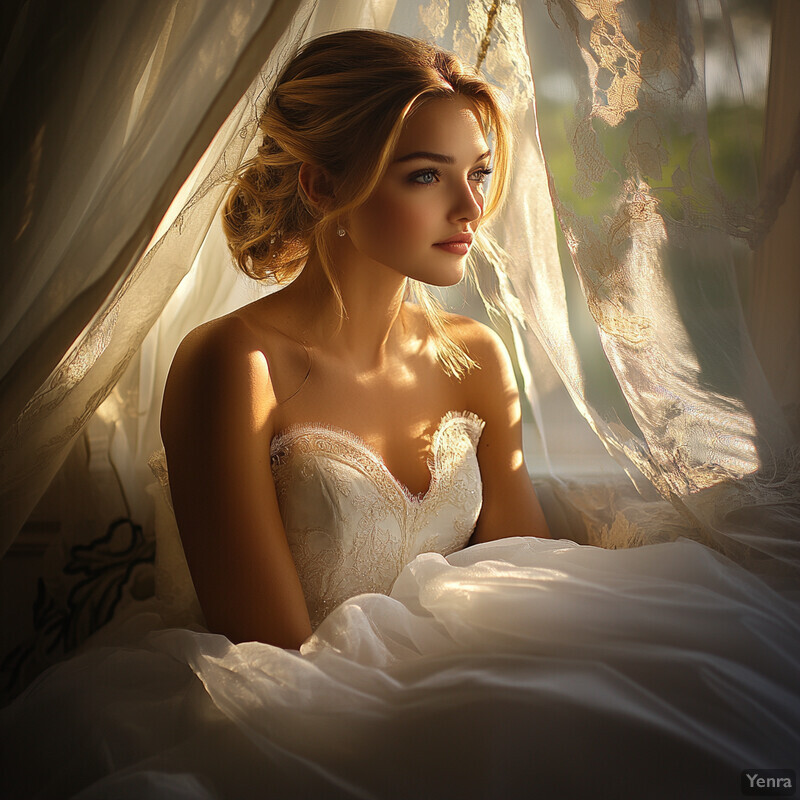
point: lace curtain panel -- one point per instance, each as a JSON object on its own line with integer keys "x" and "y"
{"x": 654, "y": 235}
{"x": 624, "y": 308}
{"x": 116, "y": 107}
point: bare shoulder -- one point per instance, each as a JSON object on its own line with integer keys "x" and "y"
{"x": 224, "y": 346}
{"x": 482, "y": 344}
{"x": 490, "y": 385}
{"x": 218, "y": 368}
{"x": 479, "y": 339}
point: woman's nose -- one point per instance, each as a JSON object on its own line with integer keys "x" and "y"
{"x": 467, "y": 202}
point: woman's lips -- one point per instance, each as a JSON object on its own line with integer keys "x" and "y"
{"x": 459, "y": 248}
{"x": 459, "y": 245}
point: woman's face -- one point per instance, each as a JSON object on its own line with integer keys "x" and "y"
{"x": 421, "y": 216}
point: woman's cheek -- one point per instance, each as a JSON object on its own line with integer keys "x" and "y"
{"x": 414, "y": 216}
{"x": 397, "y": 219}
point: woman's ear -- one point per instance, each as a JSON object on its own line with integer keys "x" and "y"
{"x": 316, "y": 185}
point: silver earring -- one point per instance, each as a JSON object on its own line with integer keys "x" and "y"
{"x": 340, "y": 231}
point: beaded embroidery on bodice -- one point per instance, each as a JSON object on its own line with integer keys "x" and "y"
{"x": 352, "y": 526}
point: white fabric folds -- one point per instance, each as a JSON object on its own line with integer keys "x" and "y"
{"x": 519, "y": 667}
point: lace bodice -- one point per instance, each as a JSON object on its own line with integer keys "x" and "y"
{"x": 352, "y": 526}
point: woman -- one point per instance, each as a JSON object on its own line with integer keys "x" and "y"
{"x": 371, "y": 178}
{"x": 327, "y": 445}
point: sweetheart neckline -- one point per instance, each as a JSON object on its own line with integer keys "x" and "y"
{"x": 301, "y": 428}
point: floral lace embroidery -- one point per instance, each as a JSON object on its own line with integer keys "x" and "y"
{"x": 351, "y": 525}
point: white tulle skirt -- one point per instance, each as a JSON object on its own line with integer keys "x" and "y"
{"x": 523, "y": 667}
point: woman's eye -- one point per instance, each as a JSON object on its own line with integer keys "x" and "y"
{"x": 480, "y": 175}
{"x": 426, "y": 177}
{"x": 429, "y": 176}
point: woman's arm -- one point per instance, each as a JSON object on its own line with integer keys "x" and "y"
{"x": 216, "y": 425}
{"x": 510, "y": 506}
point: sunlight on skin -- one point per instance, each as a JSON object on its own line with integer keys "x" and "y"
{"x": 431, "y": 191}
{"x": 373, "y": 374}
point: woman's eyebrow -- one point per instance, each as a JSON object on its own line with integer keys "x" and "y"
{"x": 428, "y": 156}
{"x": 438, "y": 157}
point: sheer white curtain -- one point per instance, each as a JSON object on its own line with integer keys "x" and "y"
{"x": 655, "y": 228}
{"x": 774, "y": 313}
{"x": 125, "y": 128}
{"x": 113, "y": 106}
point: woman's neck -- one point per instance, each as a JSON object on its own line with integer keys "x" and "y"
{"x": 365, "y": 333}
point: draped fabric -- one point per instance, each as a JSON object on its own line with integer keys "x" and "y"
{"x": 652, "y": 231}
{"x": 135, "y": 117}
{"x": 118, "y": 106}
{"x": 773, "y": 314}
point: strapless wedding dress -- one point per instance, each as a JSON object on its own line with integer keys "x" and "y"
{"x": 352, "y": 526}
{"x": 522, "y": 667}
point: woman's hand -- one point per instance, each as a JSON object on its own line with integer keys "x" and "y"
{"x": 216, "y": 425}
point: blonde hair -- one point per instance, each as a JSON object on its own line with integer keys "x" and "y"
{"x": 340, "y": 104}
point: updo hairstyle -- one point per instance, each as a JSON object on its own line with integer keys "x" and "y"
{"x": 340, "y": 104}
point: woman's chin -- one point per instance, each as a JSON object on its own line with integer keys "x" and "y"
{"x": 449, "y": 276}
